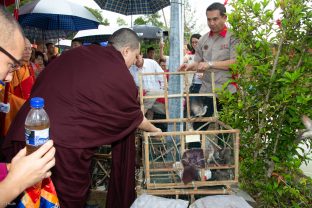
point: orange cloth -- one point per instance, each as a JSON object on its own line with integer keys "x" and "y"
{"x": 19, "y": 91}
{"x": 41, "y": 195}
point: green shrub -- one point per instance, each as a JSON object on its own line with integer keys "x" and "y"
{"x": 275, "y": 78}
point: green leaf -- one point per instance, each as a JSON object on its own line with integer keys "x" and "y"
{"x": 275, "y": 159}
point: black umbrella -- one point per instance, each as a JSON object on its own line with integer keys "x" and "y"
{"x": 148, "y": 31}
{"x": 132, "y": 7}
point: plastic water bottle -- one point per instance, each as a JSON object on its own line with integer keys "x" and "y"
{"x": 37, "y": 125}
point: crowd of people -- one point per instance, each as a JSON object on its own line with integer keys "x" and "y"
{"x": 91, "y": 96}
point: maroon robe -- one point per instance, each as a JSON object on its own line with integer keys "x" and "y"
{"x": 91, "y": 100}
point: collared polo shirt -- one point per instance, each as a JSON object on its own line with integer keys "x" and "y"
{"x": 216, "y": 47}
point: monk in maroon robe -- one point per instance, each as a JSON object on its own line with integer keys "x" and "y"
{"x": 91, "y": 100}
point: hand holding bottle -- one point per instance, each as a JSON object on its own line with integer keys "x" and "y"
{"x": 25, "y": 171}
{"x": 28, "y": 170}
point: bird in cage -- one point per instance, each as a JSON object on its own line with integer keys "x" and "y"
{"x": 192, "y": 160}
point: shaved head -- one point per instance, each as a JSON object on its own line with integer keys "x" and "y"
{"x": 125, "y": 37}
{"x": 12, "y": 45}
{"x": 8, "y": 27}
{"x": 127, "y": 42}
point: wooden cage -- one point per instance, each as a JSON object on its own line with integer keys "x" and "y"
{"x": 159, "y": 156}
{"x": 163, "y": 152}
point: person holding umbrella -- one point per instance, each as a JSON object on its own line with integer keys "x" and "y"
{"x": 91, "y": 99}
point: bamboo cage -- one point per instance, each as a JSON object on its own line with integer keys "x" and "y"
{"x": 100, "y": 172}
{"x": 163, "y": 152}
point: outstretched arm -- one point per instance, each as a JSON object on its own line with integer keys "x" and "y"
{"x": 189, "y": 67}
{"x": 146, "y": 125}
{"x": 224, "y": 65}
{"x": 161, "y": 50}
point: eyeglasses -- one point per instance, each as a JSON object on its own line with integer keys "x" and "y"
{"x": 16, "y": 64}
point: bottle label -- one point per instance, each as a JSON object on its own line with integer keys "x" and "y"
{"x": 36, "y": 137}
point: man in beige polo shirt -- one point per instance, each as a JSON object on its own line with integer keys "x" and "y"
{"x": 215, "y": 51}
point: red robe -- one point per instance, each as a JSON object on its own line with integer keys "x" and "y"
{"x": 91, "y": 100}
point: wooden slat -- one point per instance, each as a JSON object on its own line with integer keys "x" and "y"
{"x": 179, "y": 95}
{"x": 184, "y": 192}
{"x": 189, "y": 185}
{"x": 179, "y": 133}
{"x": 223, "y": 167}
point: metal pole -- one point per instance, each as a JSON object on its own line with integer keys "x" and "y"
{"x": 131, "y": 21}
{"x": 163, "y": 13}
{"x": 176, "y": 57}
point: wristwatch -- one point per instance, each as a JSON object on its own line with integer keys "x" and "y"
{"x": 210, "y": 64}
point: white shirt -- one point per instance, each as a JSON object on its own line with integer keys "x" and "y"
{"x": 150, "y": 82}
{"x": 197, "y": 76}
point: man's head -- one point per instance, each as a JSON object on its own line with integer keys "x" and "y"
{"x": 216, "y": 17}
{"x": 150, "y": 53}
{"x": 76, "y": 43}
{"x": 12, "y": 45}
{"x": 127, "y": 42}
{"x": 27, "y": 51}
{"x": 50, "y": 48}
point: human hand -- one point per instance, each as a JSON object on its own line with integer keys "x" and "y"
{"x": 158, "y": 138}
{"x": 26, "y": 171}
{"x": 202, "y": 66}
{"x": 183, "y": 67}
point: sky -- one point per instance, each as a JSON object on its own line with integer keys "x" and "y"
{"x": 198, "y": 6}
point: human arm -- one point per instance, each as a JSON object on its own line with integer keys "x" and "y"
{"x": 26, "y": 171}
{"x": 161, "y": 50}
{"x": 226, "y": 56}
{"x": 189, "y": 67}
{"x": 218, "y": 64}
{"x": 223, "y": 65}
{"x": 146, "y": 125}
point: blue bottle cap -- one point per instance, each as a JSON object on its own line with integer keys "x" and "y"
{"x": 37, "y": 102}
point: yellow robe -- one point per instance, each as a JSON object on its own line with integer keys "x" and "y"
{"x": 19, "y": 92}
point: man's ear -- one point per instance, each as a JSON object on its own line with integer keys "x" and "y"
{"x": 125, "y": 51}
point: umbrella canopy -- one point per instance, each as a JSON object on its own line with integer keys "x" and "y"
{"x": 96, "y": 35}
{"x": 132, "y": 7}
{"x": 33, "y": 33}
{"x": 148, "y": 31}
{"x": 56, "y": 15}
